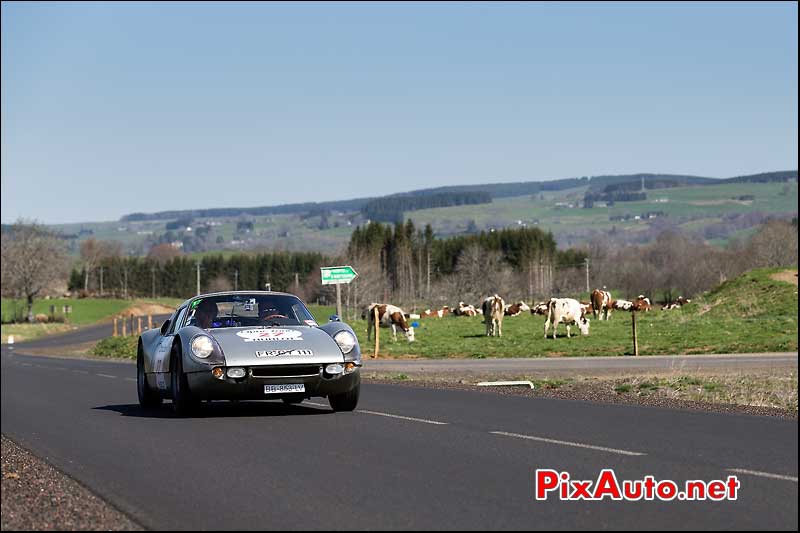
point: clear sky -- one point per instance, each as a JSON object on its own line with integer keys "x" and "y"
{"x": 112, "y": 108}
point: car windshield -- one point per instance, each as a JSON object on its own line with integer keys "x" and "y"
{"x": 248, "y": 310}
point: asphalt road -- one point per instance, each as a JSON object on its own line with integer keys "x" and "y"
{"x": 408, "y": 458}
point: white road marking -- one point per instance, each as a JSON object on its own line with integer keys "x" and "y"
{"x": 763, "y": 474}
{"x": 567, "y": 443}
{"x": 80, "y": 371}
{"x": 409, "y": 418}
{"x": 388, "y": 415}
{"x": 130, "y": 379}
{"x": 26, "y": 364}
{"x": 105, "y": 376}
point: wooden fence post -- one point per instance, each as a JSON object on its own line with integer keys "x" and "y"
{"x": 635, "y": 336}
{"x": 377, "y": 331}
{"x": 149, "y": 321}
{"x": 138, "y": 325}
{"x": 116, "y": 332}
{"x": 124, "y": 327}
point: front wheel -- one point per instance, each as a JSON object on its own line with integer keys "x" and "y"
{"x": 148, "y": 398}
{"x": 346, "y": 401}
{"x": 182, "y": 401}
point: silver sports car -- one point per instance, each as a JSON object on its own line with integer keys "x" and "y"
{"x": 243, "y": 345}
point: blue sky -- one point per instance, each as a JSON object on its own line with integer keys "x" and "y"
{"x": 115, "y": 108}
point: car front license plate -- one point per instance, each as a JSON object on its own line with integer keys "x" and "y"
{"x": 282, "y": 389}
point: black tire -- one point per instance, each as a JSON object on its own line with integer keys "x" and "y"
{"x": 148, "y": 398}
{"x": 346, "y": 401}
{"x": 294, "y": 399}
{"x": 182, "y": 401}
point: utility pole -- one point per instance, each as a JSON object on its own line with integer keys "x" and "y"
{"x": 101, "y": 280}
{"x": 586, "y": 262}
{"x": 236, "y": 279}
{"x": 198, "y": 277}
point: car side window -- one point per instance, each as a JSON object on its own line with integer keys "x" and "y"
{"x": 178, "y": 319}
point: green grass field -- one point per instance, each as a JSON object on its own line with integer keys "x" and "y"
{"x": 750, "y": 314}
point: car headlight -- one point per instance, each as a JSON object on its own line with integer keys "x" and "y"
{"x": 346, "y": 341}
{"x": 202, "y": 346}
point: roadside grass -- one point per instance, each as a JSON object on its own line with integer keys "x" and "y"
{"x": 85, "y": 311}
{"x": 752, "y": 313}
{"x": 117, "y": 347}
{"x": 761, "y": 390}
{"x": 29, "y": 332}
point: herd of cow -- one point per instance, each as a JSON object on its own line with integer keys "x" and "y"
{"x": 567, "y": 311}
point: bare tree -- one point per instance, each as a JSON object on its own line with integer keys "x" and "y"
{"x": 32, "y": 260}
{"x": 93, "y": 252}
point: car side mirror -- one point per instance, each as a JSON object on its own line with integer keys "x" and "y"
{"x": 334, "y": 318}
{"x": 165, "y": 327}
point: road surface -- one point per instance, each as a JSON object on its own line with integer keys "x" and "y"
{"x": 408, "y": 458}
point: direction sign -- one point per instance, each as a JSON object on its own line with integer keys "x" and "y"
{"x": 337, "y": 275}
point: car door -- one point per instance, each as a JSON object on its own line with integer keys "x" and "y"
{"x": 161, "y": 362}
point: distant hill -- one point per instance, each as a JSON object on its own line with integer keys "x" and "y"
{"x": 494, "y": 190}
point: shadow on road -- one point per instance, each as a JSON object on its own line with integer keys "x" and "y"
{"x": 217, "y": 409}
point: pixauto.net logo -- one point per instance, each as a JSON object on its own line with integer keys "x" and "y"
{"x": 607, "y": 486}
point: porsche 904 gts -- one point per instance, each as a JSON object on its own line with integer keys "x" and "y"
{"x": 244, "y": 345}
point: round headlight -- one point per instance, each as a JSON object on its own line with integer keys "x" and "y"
{"x": 346, "y": 341}
{"x": 202, "y": 346}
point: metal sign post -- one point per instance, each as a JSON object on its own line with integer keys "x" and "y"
{"x": 336, "y": 276}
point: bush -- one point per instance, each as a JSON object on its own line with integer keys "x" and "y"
{"x": 122, "y": 347}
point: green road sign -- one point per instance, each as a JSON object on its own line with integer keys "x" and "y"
{"x": 337, "y": 275}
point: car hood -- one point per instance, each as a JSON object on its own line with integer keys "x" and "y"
{"x": 284, "y": 345}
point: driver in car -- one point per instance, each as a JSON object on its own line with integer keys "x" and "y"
{"x": 205, "y": 314}
{"x": 268, "y": 310}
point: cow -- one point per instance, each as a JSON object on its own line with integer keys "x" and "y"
{"x": 515, "y": 309}
{"x": 585, "y": 306}
{"x": 540, "y": 308}
{"x": 389, "y": 316}
{"x": 492, "y": 308}
{"x": 601, "y": 304}
{"x": 444, "y": 311}
{"x": 642, "y": 303}
{"x": 465, "y": 310}
{"x": 569, "y": 312}
{"x": 680, "y": 302}
{"x": 622, "y": 305}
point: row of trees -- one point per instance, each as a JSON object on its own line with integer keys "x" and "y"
{"x": 402, "y": 264}
{"x": 679, "y": 264}
{"x": 391, "y": 208}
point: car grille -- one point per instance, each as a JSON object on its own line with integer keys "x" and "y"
{"x": 288, "y": 371}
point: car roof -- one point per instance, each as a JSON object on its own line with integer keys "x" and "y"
{"x": 223, "y": 293}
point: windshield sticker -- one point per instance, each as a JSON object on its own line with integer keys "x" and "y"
{"x": 311, "y": 323}
{"x": 195, "y": 303}
{"x": 253, "y": 335}
{"x": 278, "y": 353}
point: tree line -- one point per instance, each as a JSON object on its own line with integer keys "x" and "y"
{"x": 391, "y": 208}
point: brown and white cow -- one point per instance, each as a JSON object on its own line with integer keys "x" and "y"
{"x": 492, "y": 308}
{"x": 601, "y": 304}
{"x": 515, "y": 309}
{"x": 390, "y": 316}
{"x": 622, "y": 305}
{"x": 680, "y": 302}
{"x": 440, "y": 313}
{"x": 642, "y": 303}
{"x": 540, "y": 308}
{"x": 465, "y": 310}
{"x": 569, "y": 312}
